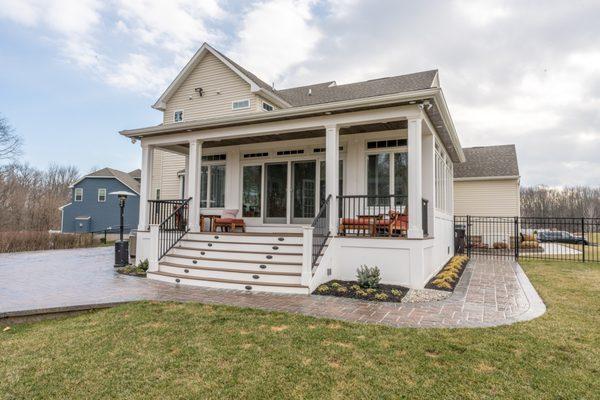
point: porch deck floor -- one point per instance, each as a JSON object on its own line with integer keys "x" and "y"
{"x": 490, "y": 293}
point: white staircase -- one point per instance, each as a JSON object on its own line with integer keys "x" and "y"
{"x": 268, "y": 262}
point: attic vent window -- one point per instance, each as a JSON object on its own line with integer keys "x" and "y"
{"x": 267, "y": 106}
{"x": 240, "y": 104}
{"x": 289, "y": 152}
{"x": 255, "y": 155}
{"x": 380, "y": 144}
{"x": 215, "y": 157}
{"x": 178, "y": 116}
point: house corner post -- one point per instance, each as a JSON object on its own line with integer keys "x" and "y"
{"x": 415, "y": 178}
{"x": 332, "y": 163}
{"x": 154, "y": 249}
{"x": 145, "y": 186}
{"x": 193, "y": 187}
{"x": 307, "y": 255}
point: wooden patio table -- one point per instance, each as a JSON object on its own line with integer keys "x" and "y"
{"x": 211, "y": 218}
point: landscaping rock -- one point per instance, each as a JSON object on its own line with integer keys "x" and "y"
{"x": 423, "y": 295}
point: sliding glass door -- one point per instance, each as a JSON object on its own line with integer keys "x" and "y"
{"x": 304, "y": 191}
{"x": 276, "y": 182}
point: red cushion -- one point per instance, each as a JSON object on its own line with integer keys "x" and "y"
{"x": 356, "y": 221}
{"x": 236, "y": 221}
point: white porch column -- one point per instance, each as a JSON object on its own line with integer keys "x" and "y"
{"x": 332, "y": 164}
{"x": 193, "y": 186}
{"x": 145, "y": 186}
{"x": 415, "y": 190}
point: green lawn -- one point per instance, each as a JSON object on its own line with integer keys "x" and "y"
{"x": 149, "y": 350}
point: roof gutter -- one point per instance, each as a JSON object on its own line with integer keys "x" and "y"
{"x": 445, "y": 113}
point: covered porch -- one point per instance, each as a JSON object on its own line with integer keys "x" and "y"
{"x": 368, "y": 174}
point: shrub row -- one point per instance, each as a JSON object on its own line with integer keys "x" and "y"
{"x": 15, "y": 241}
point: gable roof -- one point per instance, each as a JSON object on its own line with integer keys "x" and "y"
{"x": 136, "y": 173}
{"x": 329, "y": 92}
{"x": 123, "y": 177}
{"x": 256, "y": 85}
{"x": 488, "y": 161}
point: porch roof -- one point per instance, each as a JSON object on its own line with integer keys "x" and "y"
{"x": 438, "y": 114}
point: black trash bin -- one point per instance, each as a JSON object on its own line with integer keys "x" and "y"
{"x": 459, "y": 239}
{"x": 121, "y": 253}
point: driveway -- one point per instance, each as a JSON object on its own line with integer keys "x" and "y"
{"x": 490, "y": 292}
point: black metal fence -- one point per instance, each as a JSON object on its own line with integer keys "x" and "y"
{"x": 321, "y": 230}
{"x": 569, "y": 239}
{"x": 173, "y": 228}
{"x": 161, "y": 209}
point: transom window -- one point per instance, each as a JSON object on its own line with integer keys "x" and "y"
{"x": 212, "y": 186}
{"x": 240, "y": 104}
{"x": 101, "y": 195}
{"x": 267, "y": 106}
{"x": 178, "y": 116}
{"x": 78, "y": 194}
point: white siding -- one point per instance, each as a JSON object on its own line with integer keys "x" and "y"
{"x": 496, "y": 198}
{"x": 164, "y": 174}
{"x": 221, "y": 86}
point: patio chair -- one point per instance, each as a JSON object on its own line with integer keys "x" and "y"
{"x": 396, "y": 222}
{"x": 355, "y": 224}
{"x": 228, "y": 222}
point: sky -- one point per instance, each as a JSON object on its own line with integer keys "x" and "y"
{"x": 73, "y": 73}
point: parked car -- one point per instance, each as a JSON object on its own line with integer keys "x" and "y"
{"x": 561, "y": 237}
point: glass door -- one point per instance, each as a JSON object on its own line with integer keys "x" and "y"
{"x": 304, "y": 191}
{"x": 276, "y": 193}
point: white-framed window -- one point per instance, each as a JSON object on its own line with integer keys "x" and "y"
{"x": 240, "y": 104}
{"x": 157, "y": 194}
{"x": 78, "y": 194}
{"x": 178, "y": 116}
{"x": 387, "y": 172}
{"x": 267, "y": 107}
{"x": 444, "y": 174}
{"x": 212, "y": 185}
{"x": 101, "y": 195}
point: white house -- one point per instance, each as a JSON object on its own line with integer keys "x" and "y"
{"x": 324, "y": 177}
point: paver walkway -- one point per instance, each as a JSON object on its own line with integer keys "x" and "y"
{"x": 490, "y": 292}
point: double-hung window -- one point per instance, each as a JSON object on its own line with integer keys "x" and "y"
{"x": 78, "y": 194}
{"x": 212, "y": 184}
{"x": 101, "y": 195}
{"x": 387, "y": 174}
{"x": 178, "y": 116}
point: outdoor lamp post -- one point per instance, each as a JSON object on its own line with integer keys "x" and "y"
{"x": 121, "y": 250}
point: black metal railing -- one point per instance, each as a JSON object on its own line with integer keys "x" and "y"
{"x": 425, "y": 216}
{"x": 568, "y": 239}
{"x": 173, "y": 228}
{"x": 161, "y": 209}
{"x": 321, "y": 230}
{"x": 373, "y": 215}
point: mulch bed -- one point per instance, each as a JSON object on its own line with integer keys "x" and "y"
{"x": 132, "y": 271}
{"x": 361, "y": 294}
{"x": 453, "y": 284}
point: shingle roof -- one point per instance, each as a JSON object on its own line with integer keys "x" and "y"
{"x": 124, "y": 177}
{"x": 326, "y": 92}
{"x": 488, "y": 161}
{"x": 136, "y": 173}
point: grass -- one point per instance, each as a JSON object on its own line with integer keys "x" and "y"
{"x": 169, "y": 350}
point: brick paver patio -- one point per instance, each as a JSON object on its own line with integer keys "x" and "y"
{"x": 490, "y": 292}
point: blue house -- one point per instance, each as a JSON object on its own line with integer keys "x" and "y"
{"x": 93, "y": 208}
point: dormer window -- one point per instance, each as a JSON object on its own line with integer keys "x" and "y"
{"x": 267, "y": 106}
{"x": 178, "y": 116}
{"x": 240, "y": 104}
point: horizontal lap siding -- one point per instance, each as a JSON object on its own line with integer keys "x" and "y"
{"x": 164, "y": 174}
{"x": 487, "y": 198}
{"x": 212, "y": 76}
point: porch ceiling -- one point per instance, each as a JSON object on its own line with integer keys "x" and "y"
{"x": 377, "y": 127}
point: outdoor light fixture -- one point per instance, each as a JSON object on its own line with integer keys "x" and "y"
{"x": 121, "y": 250}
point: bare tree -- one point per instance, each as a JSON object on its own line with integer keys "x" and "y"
{"x": 570, "y": 202}
{"x": 10, "y": 142}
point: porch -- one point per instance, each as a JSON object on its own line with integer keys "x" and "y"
{"x": 369, "y": 175}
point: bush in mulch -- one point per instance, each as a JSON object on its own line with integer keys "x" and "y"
{"x": 448, "y": 277}
{"x": 135, "y": 270}
{"x": 352, "y": 289}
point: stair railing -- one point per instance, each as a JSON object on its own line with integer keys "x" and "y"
{"x": 173, "y": 227}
